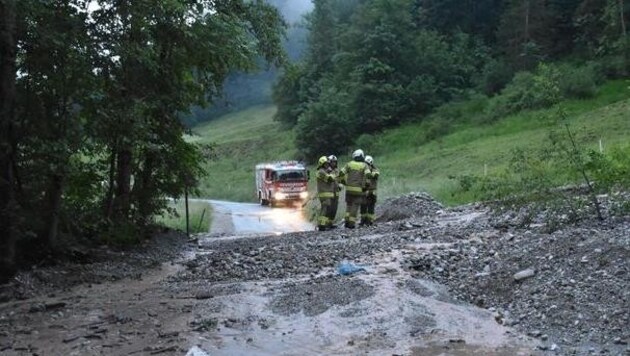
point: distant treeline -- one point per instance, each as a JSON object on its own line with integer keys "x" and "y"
{"x": 372, "y": 64}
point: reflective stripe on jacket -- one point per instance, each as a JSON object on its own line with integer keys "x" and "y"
{"x": 325, "y": 184}
{"x": 355, "y": 175}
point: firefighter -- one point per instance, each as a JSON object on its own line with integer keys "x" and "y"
{"x": 334, "y": 170}
{"x": 354, "y": 176}
{"x": 325, "y": 192}
{"x": 367, "y": 208}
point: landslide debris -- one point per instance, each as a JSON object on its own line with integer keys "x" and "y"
{"x": 96, "y": 265}
{"x": 408, "y": 206}
{"x": 315, "y": 296}
{"x": 571, "y": 287}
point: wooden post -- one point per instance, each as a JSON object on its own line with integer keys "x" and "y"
{"x": 187, "y": 217}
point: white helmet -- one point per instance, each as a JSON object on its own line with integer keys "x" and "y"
{"x": 358, "y": 154}
{"x": 369, "y": 160}
{"x": 332, "y": 158}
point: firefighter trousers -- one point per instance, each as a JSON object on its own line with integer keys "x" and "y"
{"x": 323, "y": 220}
{"x": 367, "y": 209}
{"x": 333, "y": 209}
{"x": 353, "y": 205}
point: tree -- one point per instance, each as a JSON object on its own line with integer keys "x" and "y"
{"x": 475, "y": 17}
{"x": 90, "y": 103}
{"x": 8, "y": 48}
{"x": 526, "y": 32}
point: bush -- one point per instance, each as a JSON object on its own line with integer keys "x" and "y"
{"x": 579, "y": 81}
{"x": 495, "y": 76}
{"x": 614, "y": 67}
{"x": 526, "y": 91}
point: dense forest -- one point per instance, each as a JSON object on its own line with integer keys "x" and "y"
{"x": 373, "y": 64}
{"x": 90, "y": 97}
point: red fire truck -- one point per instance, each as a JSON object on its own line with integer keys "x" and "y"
{"x": 282, "y": 182}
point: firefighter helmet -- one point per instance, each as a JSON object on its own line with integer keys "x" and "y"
{"x": 358, "y": 155}
{"x": 332, "y": 158}
{"x": 369, "y": 160}
{"x": 322, "y": 160}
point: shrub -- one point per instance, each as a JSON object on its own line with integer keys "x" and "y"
{"x": 579, "y": 81}
{"x": 526, "y": 91}
{"x": 495, "y": 76}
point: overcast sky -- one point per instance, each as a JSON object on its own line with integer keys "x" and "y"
{"x": 294, "y": 9}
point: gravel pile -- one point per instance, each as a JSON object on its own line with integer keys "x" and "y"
{"x": 408, "y": 206}
{"x": 275, "y": 257}
{"x": 317, "y": 295}
{"x": 571, "y": 288}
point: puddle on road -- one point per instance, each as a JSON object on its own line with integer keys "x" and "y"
{"x": 397, "y": 315}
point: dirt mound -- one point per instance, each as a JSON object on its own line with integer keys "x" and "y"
{"x": 408, "y": 206}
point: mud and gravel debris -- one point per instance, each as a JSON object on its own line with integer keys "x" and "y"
{"x": 317, "y": 295}
{"x": 408, "y": 206}
{"x": 578, "y": 298}
{"x": 97, "y": 265}
{"x": 577, "y": 301}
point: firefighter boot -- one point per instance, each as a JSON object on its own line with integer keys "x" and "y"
{"x": 349, "y": 222}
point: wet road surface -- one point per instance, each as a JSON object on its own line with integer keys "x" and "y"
{"x": 250, "y": 218}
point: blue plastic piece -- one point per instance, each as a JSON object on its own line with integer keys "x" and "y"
{"x": 346, "y": 268}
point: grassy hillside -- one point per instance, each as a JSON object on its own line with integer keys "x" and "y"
{"x": 250, "y": 136}
{"x": 407, "y": 166}
{"x": 243, "y": 139}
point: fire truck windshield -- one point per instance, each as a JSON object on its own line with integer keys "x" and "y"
{"x": 288, "y": 175}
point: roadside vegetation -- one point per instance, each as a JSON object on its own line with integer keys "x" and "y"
{"x": 91, "y": 97}
{"x": 411, "y": 161}
{"x": 200, "y": 216}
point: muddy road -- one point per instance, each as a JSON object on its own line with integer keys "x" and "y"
{"x": 256, "y": 289}
{"x": 437, "y": 283}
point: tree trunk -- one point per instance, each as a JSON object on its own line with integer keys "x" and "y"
{"x": 109, "y": 197}
{"x": 8, "y": 203}
{"x": 527, "y": 10}
{"x": 53, "y": 210}
{"x": 143, "y": 188}
{"x": 622, "y": 18}
{"x": 122, "y": 200}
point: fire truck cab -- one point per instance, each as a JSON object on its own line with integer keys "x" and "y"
{"x": 282, "y": 182}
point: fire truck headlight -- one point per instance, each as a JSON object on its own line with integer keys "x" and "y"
{"x": 303, "y": 195}
{"x": 280, "y": 196}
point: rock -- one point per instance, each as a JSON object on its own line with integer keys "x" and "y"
{"x": 36, "y": 308}
{"x": 524, "y": 274}
{"x": 55, "y": 306}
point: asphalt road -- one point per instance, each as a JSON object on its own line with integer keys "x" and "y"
{"x": 249, "y": 218}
